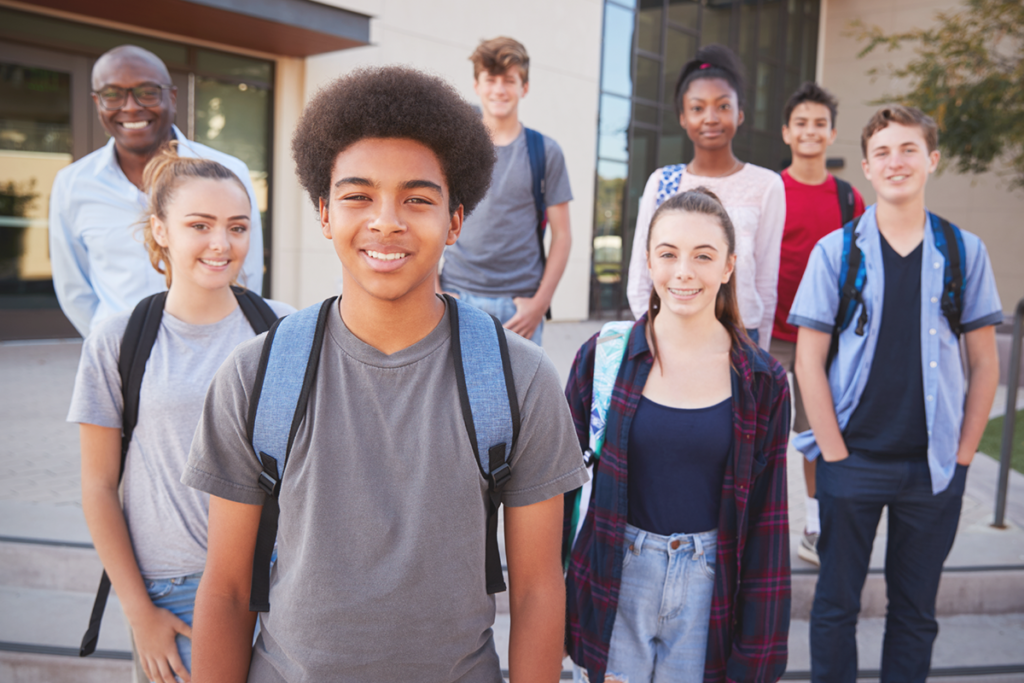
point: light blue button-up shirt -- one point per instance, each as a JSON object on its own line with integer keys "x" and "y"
{"x": 100, "y": 264}
{"x": 817, "y": 301}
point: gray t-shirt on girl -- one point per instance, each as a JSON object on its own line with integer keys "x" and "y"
{"x": 380, "y": 565}
{"x": 498, "y": 253}
{"x": 166, "y": 519}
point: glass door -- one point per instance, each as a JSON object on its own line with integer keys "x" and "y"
{"x": 40, "y": 133}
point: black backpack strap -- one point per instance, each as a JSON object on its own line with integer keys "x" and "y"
{"x": 850, "y": 295}
{"x": 136, "y": 346}
{"x": 953, "y": 277}
{"x": 259, "y": 314}
{"x": 272, "y": 471}
{"x": 492, "y": 445}
{"x": 847, "y": 203}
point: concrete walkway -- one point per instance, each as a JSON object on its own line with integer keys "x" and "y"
{"x": 40, "y": 499}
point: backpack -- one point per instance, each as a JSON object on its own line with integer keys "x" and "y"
{"x": 608, "y": 355}
{"x": 284, "y": 380}
{"x": 136, "y": 345}
{"x": 538, "y": 169}
{"x": 852, "y": 273}
{"x": 847, "y": 203}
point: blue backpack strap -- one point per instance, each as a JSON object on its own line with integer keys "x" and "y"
{"x": 538, "y": 169}
{"x": 608, "y": 354}
{"x": 950, "y": 243}
{"x": 538, "y": 163}
{"x": 852, "y": 273}
{"x": 284, "y": 379}
{"x": 668, "y": 184}
{"x": 490, "y": 410}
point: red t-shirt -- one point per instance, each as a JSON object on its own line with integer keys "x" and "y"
{"x": 812, "y": 211}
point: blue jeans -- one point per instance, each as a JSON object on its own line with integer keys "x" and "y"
{"x": 501, "y": 307}
{"x": 661, "y": 623}
{"x": 177, "y": 596}
{"x": 851, "y": 494}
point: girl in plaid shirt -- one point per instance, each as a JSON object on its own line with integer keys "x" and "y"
{"x": 680, "y": 571}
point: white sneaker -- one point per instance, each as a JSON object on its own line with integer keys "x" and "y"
{"x": 808, "y": 550}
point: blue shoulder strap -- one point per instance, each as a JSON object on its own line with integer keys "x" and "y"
{"x": 288, "y": 364}
{"x": 852, "y": 273}
{"x": 490, "y": 410}
{"x": 281, "y": 391}
{"x": 538, "y": 163}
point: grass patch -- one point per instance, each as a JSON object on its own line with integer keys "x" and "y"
{"x": 992, "y": 439}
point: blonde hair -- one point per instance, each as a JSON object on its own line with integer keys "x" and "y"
{"x": 164, "y": 173}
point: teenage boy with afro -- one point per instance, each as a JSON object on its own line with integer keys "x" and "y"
{"x": 381, "y": 538}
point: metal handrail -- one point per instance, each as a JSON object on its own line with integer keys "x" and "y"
{"x": 1010, "y": 417}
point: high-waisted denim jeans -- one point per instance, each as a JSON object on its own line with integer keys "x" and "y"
{"x": 661, "y": 624}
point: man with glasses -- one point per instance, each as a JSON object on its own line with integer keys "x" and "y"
{"x": 100, "y": 265}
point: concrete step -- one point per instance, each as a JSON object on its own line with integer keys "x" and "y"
{"x": 969, "y": 647}
{"x": 32, "y": 667}
{"x": 57, "y": 619}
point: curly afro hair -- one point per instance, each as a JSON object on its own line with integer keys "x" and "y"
{"x": 395, "y": 102}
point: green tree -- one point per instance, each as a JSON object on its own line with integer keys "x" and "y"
{"x": 967, "y": 72}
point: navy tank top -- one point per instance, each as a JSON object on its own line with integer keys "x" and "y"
{"x": 676, "y": 463}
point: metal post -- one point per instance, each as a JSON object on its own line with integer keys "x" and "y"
{"x": 1010, "y": 418}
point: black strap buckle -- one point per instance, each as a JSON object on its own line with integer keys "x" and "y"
{"x": 589, "y": 458}
{"x": 268, "y": 483}
{"x": 500, "y": 476}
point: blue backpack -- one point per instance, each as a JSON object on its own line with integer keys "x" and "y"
{"x": 852, "y": 273}
{"x": 284, "y": 380}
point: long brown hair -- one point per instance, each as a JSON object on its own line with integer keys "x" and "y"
{"x": 727, "y": 309}
{"x": 164, "y": 173}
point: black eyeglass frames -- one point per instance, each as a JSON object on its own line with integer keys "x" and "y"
{"x": 113, "y": 97}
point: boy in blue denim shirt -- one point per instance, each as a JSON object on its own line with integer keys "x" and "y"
{"x": 889, "y": 416}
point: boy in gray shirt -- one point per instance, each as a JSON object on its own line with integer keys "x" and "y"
{"x": 381, "y": 538}
{"x": 499, "y": 265}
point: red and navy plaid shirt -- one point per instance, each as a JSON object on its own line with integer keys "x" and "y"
{"x": 749, "y": 625}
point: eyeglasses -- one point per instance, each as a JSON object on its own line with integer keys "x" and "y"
{"x": 113, "y": 97}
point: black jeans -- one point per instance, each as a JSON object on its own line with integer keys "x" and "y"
{"x": 851, "y": 494}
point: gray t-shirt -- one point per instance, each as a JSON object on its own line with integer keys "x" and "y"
{"x": 380, "y": 569}
{"x": 166, "y": 520}
{"x": 497, "y": 253}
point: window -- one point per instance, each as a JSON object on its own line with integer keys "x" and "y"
{"x": 646, "y": 43}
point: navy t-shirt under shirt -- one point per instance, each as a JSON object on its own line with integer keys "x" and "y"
{"x": 889, "y": 421}
{"x": 676, "y": 462}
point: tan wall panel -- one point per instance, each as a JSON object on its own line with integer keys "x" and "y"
{"x": 562, "y": 103}
{"x": 982, "y": 204}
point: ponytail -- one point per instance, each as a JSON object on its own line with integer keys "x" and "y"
{"x": 164, "y": 173}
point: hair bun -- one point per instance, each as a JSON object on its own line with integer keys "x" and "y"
{"x": 706, "y": 191}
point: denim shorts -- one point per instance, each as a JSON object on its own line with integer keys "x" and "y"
{"x": 501, "y": 307}
{"x": 177, "y": 596}
{"x": 661, "y": 623}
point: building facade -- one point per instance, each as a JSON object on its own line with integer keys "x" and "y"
{"x": 602, "y": 79}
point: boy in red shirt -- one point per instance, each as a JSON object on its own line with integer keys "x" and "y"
{"x": 816, "y": 204}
